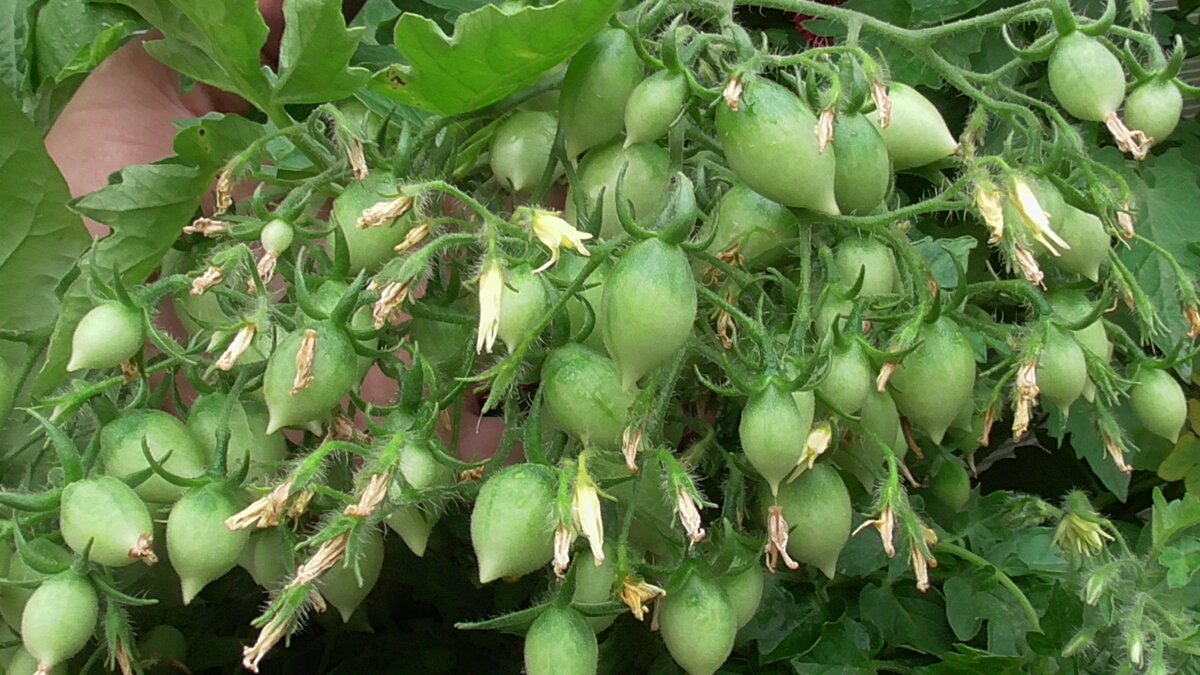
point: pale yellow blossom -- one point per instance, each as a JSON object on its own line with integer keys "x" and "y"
{"x": 556, "y": 234}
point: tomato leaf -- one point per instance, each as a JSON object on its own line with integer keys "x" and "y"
{"x": 216, "y": 42}
{"x": 16, "y": 23}
{"x": 40, "y": 239}
{"x": 494, "y": 51}
{"x": 313, "y": 55}
{"x": 74, "y": 36}
{"x": 147, "y": 209}
{"x": 907, "y": 618}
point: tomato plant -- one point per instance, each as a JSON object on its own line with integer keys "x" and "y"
{"x": 833, "y": 336}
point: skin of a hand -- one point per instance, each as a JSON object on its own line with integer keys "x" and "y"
{"x": 124, "y": 113}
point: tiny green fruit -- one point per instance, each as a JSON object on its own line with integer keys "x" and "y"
{"x": 521, "y": 149}
{"x": 523, "y": 304}
{"x": 698, "y": 623}
{"x": 108, "y": 515}
{"x": 931, "y": 382}
{"x": 596, "y": 89}
{"x": 201, "y": 547}
{"x": 560, "y": 643}
{"x": 1154, "y": 108}
{"x": 169, "y": 442}
{"x": 756, "y": 226}
{"x": 653, "y": 105}
{"x": 59, "y": 619}
{"x": 248, "y": 437}
{"x": 584, "y": 396}
{"x": 863, "y": 171}
{"x": 512, "y": 525}
{"x": 1159, "y": 402}
{"x": 816, "y": 506}
{"x": 917, "y": 134}
{"x": 1085, "y": 77}
{"x": 1061, "y": 369}
{"x": 745, "y": 590}
{"x": 848, "y": 379}
{"x": 421, "y": 471}
{"x": 951, "y": 485}
{"x": 350, "y": 581}
{"x": 107, "y": 336}
{"x": 869, "y": 257}
{"x": 647, "y": 175}
{"x": 369, "y": 247}
{"x": 773, "y": 431}
{"x": 331, "y": 371}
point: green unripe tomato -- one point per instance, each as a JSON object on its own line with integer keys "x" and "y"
{"x": 560, "y": 643}
{"x": 165, "y": 647}
{"x": 594, "y": 583}
{"x": 1061, "y": 369}
{"x": 521, "y": 149}
{"x": 861, "y": 457}
{"x": 863, "y": 171}
{"x": 524, "y": 303}
{"x": 771, "y": 145}
{"x": 341, "y": 585}
{"x": 584, "y": 396}
{"x": 646, "y": 180}
{"x": 951, "y": 486}
{"x": 273, "y": 562}
{"x": 848, "y": 380}
{"x": 23, "y": 663}
{"x": 334, "y": 373}
{"x": 773, "y": 431}
{"x": 870, "y": 257}
{"x": 370, "y": 247}
{"x": 326, "y": 299}
{"x": 59, "y": 619}
{"x": 107, "y": 336}
{"x": 757, "y": 226}
{"x": 698, "y": 623}
{"x": 879, "y": 415}
{"x": 248, "y": 437}
{"x": 595, "y": 90}
{"x": 1154, "y": 108}
{"x": 444, "y": 343}
{"x": 917, "y": 134}
{"x": 1089, "y": 244}
{"x": 14, "y": 598}
{"x": 277, "y": 236}
{"x": 817, "y": 509}
{"x": 121, "y": 453}
{"x": 931, "y": 383}
{"x": 110, "y": 516}
{"x": 421, "y": 471}
{"x": 512, "y": 524}
{"x": 1159, "y": 402}
{"x": 1086, "y": 78}
{"x": 650, "y": 292}
{"x": 653, "y": 106}
{"x": 201, "y": 547}
{"x": 745, "y": 590}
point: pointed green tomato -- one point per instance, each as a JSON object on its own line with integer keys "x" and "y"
{"x": 421, "y": 471}
{"x": 1154, "y": 108}
{"x": 773, "y": 431}
{"x": 1086, "y": 78}
{"x": 931, "y": 382}
{"x": 169, "y": 441}
{"x": 1089, "y": 244}
{"x": 917, "y": 134}
{"x": 863, "y": 169}
{"x": 816, "y": 506}
{"x": 771, "y": 144}
{"x": 649, "y": 307}
{"x": 698, "y": 623}
{"x": 521, "y": 149}
{"x": 524, "y": 303}
{"x": 755, "y": 225}
{"x": 848, "y": 380}
{"x": 334, "y": 372}
{"x": 59, "y": 619}
{"x": 1159, "y": 402}
{"x": 653, "y": 105}
{"x": 951, "y": 485}
{"x": 1061, "y": 369}
{"x": 560, "y": 643}
{"x": 14, "y": 598}
{"x": 107, "y": 336}
{"x": 583, "y": 395}
{"x": 107, "y": 514}
{"x": 512, "y": 525}
{"x": 370, "y": 247}
{"x": 745, "y": 590}
{"x": 596, "y": 88}
{"x": 201, "y": 547}
{"x": 869, "y": 257}
{"x": 594, "y": 583}
{"x": 350, "y": 581}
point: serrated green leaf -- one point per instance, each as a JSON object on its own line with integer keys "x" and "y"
{"x": 147, "y": 209}
{"x": 1182, "y": 561}
{"x": 907, "y": 618}
{"x": 494, "y": 52}
{"x": 40, "y": 239}
{"x": 314, "y": 54}
{"x": 216, "y": 42}
{"x": 16, "y": 22}
{"x": 74, "y": 36}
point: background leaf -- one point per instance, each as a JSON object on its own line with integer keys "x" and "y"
{"x": 314, "y": 52}
{"x": 494, "y": 51}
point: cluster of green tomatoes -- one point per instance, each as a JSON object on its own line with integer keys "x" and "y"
{"x": 680, "y": 339}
